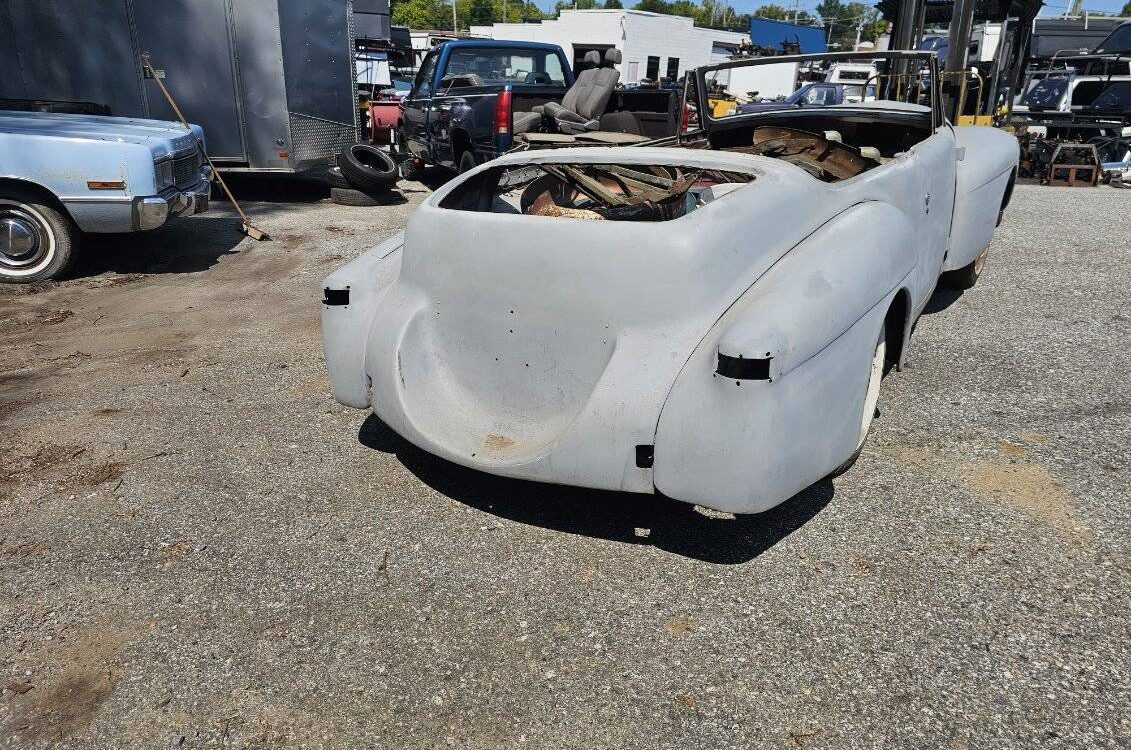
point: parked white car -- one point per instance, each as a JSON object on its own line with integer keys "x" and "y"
{"x": 708, "y": 317}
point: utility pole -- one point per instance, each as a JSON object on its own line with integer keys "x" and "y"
{"x": 455, "y": 26}
{"x": 859, "y": 31}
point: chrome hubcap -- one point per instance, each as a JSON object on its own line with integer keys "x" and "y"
{"x": 21, "y": 241}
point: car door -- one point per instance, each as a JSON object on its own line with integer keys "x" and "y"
{"x": 934, "y": 161}
{"x": 417, "y": 109}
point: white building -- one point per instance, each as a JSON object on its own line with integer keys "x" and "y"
{"x": 652, "y": 45}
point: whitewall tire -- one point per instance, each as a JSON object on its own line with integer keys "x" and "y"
{"x": 37, "y": 240}
{"x": 871, "y": 400}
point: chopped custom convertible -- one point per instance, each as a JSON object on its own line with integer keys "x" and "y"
{"x": 708, "y": 317}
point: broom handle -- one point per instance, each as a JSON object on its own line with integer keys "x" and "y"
{"x": 181, "y": 117}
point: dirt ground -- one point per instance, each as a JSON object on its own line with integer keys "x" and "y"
{"x": 199, "y": 548}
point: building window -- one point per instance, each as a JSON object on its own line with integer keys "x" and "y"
{"x": 673, "y": 68}
{"x": 653, "y": 69}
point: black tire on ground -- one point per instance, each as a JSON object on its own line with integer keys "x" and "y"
{"x": 871, "y": 399}
{"x": 967, "y": 276}
{"x": 408, "y": 167}
{"x": 336, "y": 179}
{"x": 467, "y": 161}
{"x": 368, "y": 168}
{"x": 37, "y": 240}
{"x": 351, "y": 197}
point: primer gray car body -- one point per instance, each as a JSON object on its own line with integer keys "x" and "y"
{"x": 726, "y": 357}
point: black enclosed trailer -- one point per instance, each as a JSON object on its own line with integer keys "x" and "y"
{"x": 271, "y": 81}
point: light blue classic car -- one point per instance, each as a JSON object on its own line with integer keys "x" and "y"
{"x": 62, "y": 174}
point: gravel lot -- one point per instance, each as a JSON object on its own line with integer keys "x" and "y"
{"x": 199, "y": 548}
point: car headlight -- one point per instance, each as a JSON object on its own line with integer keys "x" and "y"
{"x": 164, "y": 170}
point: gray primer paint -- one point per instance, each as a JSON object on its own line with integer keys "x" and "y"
{"x": 549, "y": 348}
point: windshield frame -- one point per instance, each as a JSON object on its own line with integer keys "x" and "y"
{"x": 701, "y": 73}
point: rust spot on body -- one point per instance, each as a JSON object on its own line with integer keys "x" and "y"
{"x": 496, "y": 442}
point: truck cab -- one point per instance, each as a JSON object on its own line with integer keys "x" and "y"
{"x": 469, "y": 94}
{"x": 464, "y": 87}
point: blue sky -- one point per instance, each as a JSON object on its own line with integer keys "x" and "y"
{"x": 1052, "y": 7}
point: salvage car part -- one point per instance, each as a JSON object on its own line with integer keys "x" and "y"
{"x": 351, "y": 197}
{"x": 368, "y": 168}
{"x": 603, "y": 192}
{"x": 1074, "y": 165}
{"x": 694, "y": 319}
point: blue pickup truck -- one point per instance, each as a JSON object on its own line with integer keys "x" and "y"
{"x": 469, "y": 96}
{"x": 62, "y": 174}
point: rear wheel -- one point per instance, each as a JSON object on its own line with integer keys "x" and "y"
{"x": 409, "y": 168}
{"x": 871, "y": 401}
{"x": 967, "y": 276}
{"x": 37, "y": 241}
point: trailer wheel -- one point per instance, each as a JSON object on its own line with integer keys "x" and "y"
{"x": 368, "y": 168}
{"x": 37, "y": 240}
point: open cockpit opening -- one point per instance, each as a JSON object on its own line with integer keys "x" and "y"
{"x": 603, "y": 192}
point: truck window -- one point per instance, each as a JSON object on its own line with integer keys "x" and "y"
{"x": 500, "y": 66}
{"x": 423, "y": 85}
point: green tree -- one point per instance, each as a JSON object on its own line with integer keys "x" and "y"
{"x": 517, "y": 11}
{"x": 616, "y": 4}
{"x": 422, "y": 14}
{"x": 773, "y": 12}
{"x": 683, "y": 8}
{"x": 1126, "y": 9}
{"x": 481, "y": 12}
{"x": 842, "y": 20}
{"x": 654, "y": 6}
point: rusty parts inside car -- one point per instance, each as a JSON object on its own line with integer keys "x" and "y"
{"x": 657, "y": 192}
{"x": 602, "y": 192}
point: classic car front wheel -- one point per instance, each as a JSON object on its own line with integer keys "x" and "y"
{"x": 37, "y": 240}
{"x": 967, "y": 276}
{"x": 871, "y": 399}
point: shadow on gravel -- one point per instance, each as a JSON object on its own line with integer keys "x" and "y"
{"x": 181, "y": 246}
{"x": 943, "y": 298}
{"x": 272, "y": 188}
{"x": 617, "y": 516}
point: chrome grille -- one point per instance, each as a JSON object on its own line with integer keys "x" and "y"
{"x": 186, "y": 169}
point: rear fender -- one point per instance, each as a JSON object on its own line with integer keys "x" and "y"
{"x": 771, "y": 399}
{"x": 351, "y": 296}
{"x": 984, "y": 175}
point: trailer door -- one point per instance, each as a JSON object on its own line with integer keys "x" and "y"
{"x": 190, "y": 45}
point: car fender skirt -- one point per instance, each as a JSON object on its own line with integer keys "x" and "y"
{"x": 813, "y": 294}
{"x": 981, "y": 181}
{"x": 771, "y": 399}
{"x": 744, "y": 446}
{"x": 350, "y": 297}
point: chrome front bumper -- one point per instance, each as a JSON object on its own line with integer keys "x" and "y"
{"x": 153, "y": 211}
